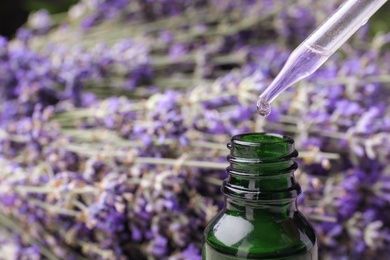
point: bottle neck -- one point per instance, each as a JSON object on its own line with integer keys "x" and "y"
{"x": 261, "y": 172}
{"x": 250, "y": 210}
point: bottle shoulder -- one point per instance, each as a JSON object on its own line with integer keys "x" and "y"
{"x": 262, "y": 236}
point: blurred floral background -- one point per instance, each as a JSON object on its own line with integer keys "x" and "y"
{"x": 115, "y": 116}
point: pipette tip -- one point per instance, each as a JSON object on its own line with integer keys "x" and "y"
{"x": 263, "y": 107}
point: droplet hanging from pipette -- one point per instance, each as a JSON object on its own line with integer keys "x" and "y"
{"x": 263, "y": 107}
{"x": 302, "y": 62}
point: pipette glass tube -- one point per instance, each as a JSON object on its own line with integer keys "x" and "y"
{"x": 318, "y": 47}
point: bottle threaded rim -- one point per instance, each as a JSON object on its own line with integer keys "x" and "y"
{"x": 261, "y": 138}
{"x": 261, "y": 167}
{"x": 261, "y": 147}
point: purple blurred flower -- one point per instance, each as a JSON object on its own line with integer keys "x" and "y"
{"x": 40, "y": 21}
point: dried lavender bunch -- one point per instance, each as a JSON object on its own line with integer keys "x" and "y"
{"x": 31, "y": 78}
{"x": 115, "y": 150}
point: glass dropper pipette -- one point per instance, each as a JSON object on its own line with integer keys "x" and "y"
{"x": 318, "y": 47}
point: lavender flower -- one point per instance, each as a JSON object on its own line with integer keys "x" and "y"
{"x": 40, "y": 21}
{"x": 114, "y": 147}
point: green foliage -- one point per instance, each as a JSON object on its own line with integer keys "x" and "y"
{"x": 380, "y": 22}
{"x": 53, "y": 6}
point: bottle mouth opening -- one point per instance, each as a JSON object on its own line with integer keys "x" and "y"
{"x": 261, "y": 147}
{"x": 255, "y": 139}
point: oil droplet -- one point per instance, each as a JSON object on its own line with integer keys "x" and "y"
{"x": 263, "y": 107}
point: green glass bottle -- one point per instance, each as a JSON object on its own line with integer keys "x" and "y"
{"x": 260, "y": 219}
